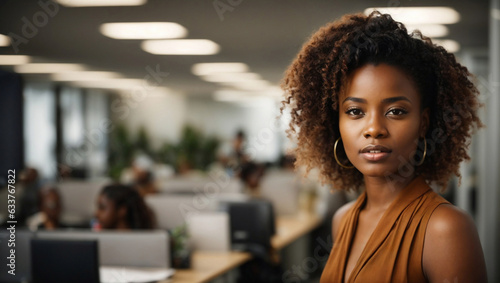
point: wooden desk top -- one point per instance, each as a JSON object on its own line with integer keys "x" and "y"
{"x": 207, "y": 266}
{"x": 290, "y": 228}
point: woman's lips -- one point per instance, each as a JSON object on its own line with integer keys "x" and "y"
{"x": 375, "y": 152}
{"x": 375, "y": 156}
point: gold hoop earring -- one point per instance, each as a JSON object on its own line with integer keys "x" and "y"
{"x": 336, "y": 158}
{"x": 425, "y": 153}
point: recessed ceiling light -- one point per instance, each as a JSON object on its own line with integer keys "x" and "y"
{"x": 180, "y": 47}
{"x": 48, "y": 68}
{"x": 4, "y": 40}
{"x": 150, "y": 30}
{"x": 203, "y": 69}
{"x": 84, "y": 76}
{"x": 14, "y": 59}
{"x": 429, "y": 30}
{"x": 420, "y": 15}
{"x": 448, "y": 44}
{"x": 97, "y": 3}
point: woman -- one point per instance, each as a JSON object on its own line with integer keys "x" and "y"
{"x": 379, "y": 110}
{"x": 120, "y": 207}
{"x": 50, "y": 205}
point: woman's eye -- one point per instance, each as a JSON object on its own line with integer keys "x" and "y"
{"x": 354, "y": 112}
{"x": 397, "y": 112}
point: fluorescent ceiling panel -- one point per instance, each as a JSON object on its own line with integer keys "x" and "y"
{"x": 4, "y": 40}
{"x": 84, "y": 76}
{"x": 14, "y": 59}
{"x": 434, "y": 30}
{"x": 203, "y": 69}
{"x": 226, "y": 95}
{"x": 231, "y": 77}
{"x": 119, "y": 83}
{"x": 249, "y": 85}
{"x": 149, "y": 30}
{"x": 180, "y": 47}
{"x": 48, "y": 68}
{"x": 420, "y": 15}
{"x": 448, "y": 44}
{"x": 99, "y": 3}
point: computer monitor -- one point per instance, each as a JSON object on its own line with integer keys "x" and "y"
{"x": 252, "y": 225}
{"x": 73, "y": 261}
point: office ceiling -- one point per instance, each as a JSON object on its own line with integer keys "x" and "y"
{"x": 264, "y": 34}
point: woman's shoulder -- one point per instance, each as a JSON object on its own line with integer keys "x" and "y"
{"x": 449, "y": 222}
{"x": 452, "y": 247}
{"x": 447, "y": 216}
{"x": 339, "y": 215}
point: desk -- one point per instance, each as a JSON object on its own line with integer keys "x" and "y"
{"x": 290, "y": 228}
{"x": 207, "y": 266}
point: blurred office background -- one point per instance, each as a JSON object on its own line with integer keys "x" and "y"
{"x": 186, "y": 104}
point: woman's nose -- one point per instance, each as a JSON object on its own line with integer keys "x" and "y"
{"x": 375, "y": 128}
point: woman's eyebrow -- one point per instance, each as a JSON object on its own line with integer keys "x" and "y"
{"x": 394, "y": 99}
{"x": 355, "y": 99}
{"x": 386, "y": 100}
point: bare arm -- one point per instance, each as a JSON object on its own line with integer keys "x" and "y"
{"x": 452, "y": 250}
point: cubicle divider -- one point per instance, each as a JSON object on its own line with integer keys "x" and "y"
{"x": 200, "y": 185}
{"x": 147, "y": 251}
{"x": 119, "y": 248}
{"x": 282, "y": 189}
{"x": 172, "y": 210}
{"x": 79, "y": 200}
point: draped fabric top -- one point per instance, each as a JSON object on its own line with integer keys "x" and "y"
{"x": 393, "y": 252}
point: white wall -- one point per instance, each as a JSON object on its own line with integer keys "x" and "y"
{"x": 224, "y": 119}
{"x": 161, "y": 113}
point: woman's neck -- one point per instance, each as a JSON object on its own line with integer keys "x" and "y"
{"x": 381, "y": 191}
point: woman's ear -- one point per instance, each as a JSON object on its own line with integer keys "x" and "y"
{"x": 424, "y": 122}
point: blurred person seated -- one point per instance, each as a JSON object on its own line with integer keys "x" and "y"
{"x": 144, "y": 182}
{"x": 232, "y": 154}
{"x": 238, "y": 147}
{"x": 251, "y": 175}
{"x": 140, "y": 175}
{"x": 50, "y": 205}
{"x": 121, "y": 207}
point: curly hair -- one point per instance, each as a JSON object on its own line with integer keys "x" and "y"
{"x": 139, "y": 215}
{"x": 320, "y": 72}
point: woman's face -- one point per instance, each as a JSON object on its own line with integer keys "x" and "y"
{"x": 51, "y": 205}
{"x": 380, "y": 121}
{"x": 107, "y": 214}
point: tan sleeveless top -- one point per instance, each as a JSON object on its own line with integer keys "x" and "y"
{"x": 393, "y": 252}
